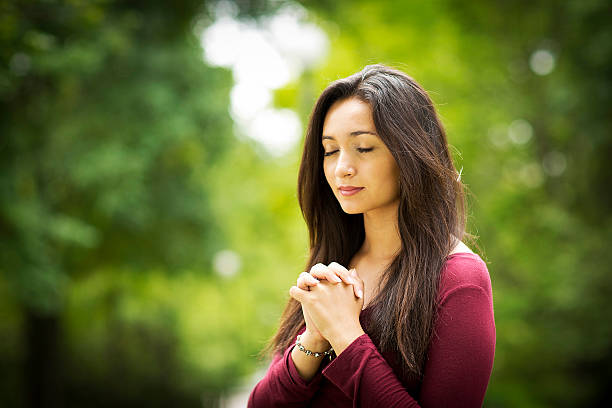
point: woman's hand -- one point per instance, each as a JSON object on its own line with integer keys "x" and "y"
{"x": 304, "y": 282}
{"x": 332, "y": 308}
{"x": 335, "y": 273}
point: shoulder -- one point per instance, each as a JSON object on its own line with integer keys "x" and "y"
{"x": 464, "y": 270}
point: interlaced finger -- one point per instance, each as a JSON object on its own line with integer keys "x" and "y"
{"x": 342, "y": 272}
{"x": 321, "y": 271}
{"x": 348, "y": 278}
{"x": 305, "y": 280}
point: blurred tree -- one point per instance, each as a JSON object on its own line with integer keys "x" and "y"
{"x": 111, "y": 121}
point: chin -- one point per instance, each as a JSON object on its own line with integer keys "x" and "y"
{"x": 351, "y": 209}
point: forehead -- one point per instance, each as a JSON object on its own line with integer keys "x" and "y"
{"x": 346, "y": 116}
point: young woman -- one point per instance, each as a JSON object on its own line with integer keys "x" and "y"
{"x": 395, "y": 310}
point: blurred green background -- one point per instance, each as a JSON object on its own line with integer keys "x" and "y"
{"x": 149, "y": 228}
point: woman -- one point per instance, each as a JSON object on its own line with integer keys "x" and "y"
{"x": 395, "y": 310}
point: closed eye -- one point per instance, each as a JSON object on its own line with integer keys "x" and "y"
{"x": 329, "y": 153}
{"x": 359, "y": 149}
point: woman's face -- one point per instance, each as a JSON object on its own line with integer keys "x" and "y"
{"x": 358, "y": 166}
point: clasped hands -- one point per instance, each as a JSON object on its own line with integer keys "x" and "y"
{"x": 332, "y": 299}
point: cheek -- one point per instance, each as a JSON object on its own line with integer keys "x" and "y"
{"x": 391, "y": 177}
{"x": 328, "y": 171}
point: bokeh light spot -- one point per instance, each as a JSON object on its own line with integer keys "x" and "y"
{"x": 520, "y": 131}
{"x": 554, "y": 163}
{"x": 227, "y": 263}
{"x": 542, "y": 62}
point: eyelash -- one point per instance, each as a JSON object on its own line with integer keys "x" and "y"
{"x": 359, "y": 149}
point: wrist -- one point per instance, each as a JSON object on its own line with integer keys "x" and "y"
{"x": 344, "y": 339}
{"x": 314, "y": 341}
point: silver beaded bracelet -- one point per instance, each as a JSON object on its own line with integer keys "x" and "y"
{"x": 311, "y": 353}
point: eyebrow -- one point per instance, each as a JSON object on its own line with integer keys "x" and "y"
{"x": 355, "y": 133}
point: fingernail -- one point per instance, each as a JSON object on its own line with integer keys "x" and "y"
{"x": 359, "y": 293}
{"x": 353, "y": 271}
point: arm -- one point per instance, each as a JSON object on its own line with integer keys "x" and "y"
{"x": 294, "y": 377}
{"x": 283, "y": 386}
{"x": 307, "y": 366}
{"x": 458, "y": 367}
{"x": 461, "y": 354}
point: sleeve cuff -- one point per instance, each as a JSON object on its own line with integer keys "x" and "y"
{"x": 348, "y": 362}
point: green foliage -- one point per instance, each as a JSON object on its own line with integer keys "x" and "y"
{"x": 110, "y": 134}
{"x": 121, "y": 178}
{"x": 112, "y": 121}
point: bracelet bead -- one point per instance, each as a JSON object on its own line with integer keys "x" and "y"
{"x": 311, "y": 353}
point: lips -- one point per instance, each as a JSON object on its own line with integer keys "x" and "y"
{"x": 349, "y": 190}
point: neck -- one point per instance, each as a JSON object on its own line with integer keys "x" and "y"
{"x": 382, "y": 239}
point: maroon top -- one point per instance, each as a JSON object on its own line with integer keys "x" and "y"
{"x": 457, "y": 371}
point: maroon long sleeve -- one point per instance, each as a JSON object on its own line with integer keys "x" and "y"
{"x": 459, "y": 359}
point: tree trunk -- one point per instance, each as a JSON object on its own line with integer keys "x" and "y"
{"x": 42, "y": 368}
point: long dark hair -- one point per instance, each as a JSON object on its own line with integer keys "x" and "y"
{"x": 431, "y": 215}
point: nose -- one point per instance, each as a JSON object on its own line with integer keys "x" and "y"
{"x": 344, "y": 166}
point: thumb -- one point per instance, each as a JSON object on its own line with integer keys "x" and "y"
{"x": 360, "y": 286}
{"x": 298, "y": 294}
